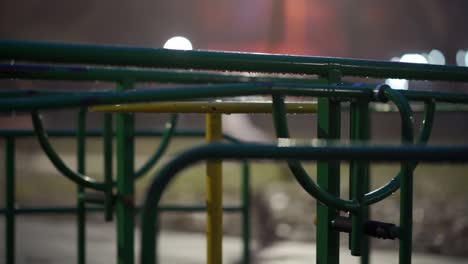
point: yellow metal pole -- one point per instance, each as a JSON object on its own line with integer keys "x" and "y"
{"x": 214, "y": 194}
{"x": 228, "y": 107}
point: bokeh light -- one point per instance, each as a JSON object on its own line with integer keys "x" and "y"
{"x": 178, "y": 43}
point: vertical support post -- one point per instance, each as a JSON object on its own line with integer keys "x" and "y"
{"x": 328, "y": 177}
{"x": 214, "y": 194}
{"x": 406, "y": 213}
{"x": 359, "y": 174}
{"x": 246, "y": 212}
{"x": 125, "y": 203}
{"x": 108, "y": 171}
{"x": 10, "y": 200}
{"x": 81, "y": 206}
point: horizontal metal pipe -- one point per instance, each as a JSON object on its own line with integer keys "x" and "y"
{"x": 182, "y": 93}
{"x": 213, "y": 60}
{"x": 98, "y": 133}
{"x": 445, "y": 97}
{"x": 71, "y": 210}
{"x": 257, "y": 151}
{"x": 221, "y": 107}
{"x": 113, "y": 74}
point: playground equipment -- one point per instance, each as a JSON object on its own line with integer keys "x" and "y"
{"x": 277, "y": 76}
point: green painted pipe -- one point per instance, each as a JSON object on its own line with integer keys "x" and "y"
{"x": 201, "y": 208}
{"x": 359, "y": 174}
{"x": 60, "y": 133}
{"x": 245, "y": 212}
{"x": 213, "y": 60}
{"x": 88, "y": 73}
{"x": 107, "y": 147}
{"x": 281, "y": 127}
{"x": 328, "y": 175}
{"x": 182, "y": 93}
{"x": 10, "y": 190}
{"x": 256, "y": 151}
{"x": 125, "y": 196}
{"x": 81, "y": 169}
{"x": 423, "y": 136}
{"x": 76, "y": 177}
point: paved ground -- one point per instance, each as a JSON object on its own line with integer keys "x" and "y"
{"x": 52, "y": 241}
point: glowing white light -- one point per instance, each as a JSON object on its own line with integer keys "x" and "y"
{"x": 413, "y": 58}
{"x": 436, "y": 57}
{"x": 466, "y": 59}
{"x": 178, "y": 43}
{"x": 401, "y": 84}
{"x": 461, "y": 58}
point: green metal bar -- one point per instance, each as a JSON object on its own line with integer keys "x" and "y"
{"x": 183, "y": 93}
{"x": 162, "y": 208}
{"x": 165, "y": 140}
{"x": 108, "y": 166}
{"x": 437, "y": 154}
{"x": 10, "y": 189}
{"x": 406, "y": 179}
{"x": 81, "y": 168}
{"x": 445, "y": 97}
{"x": 125, "y": 202}
{"x": 300, "y": 174}
{"x": 87, "y": 73}
{"x": 366, "y": 215}
{"x": 246, "y": 212}
{"x": 406, "y": 214}
{"x": 328, "y": 178}
{"x": 359, "y": 173}
{"x": 146, "y": 57}
{"x": 22, "y": 93}
{"x": 98, "y": 133}
{"x": 423, "y": 137}
{"x": 78, "y": 178}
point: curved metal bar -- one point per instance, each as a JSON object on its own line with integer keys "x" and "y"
{"x": 300, "y": 174}
{"x": 385, "y": 92}
{"x": 257, "y": 151}
{"x": 78, "y": 178}
{"x": 423, "y": 136}
{"x": 165, "y": 140}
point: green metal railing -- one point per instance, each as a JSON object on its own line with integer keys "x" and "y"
{"x": 275, "y": 75}
{"x": 104, "y": 203}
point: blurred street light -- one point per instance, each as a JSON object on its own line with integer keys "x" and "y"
{"x": 178, "y": 43}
